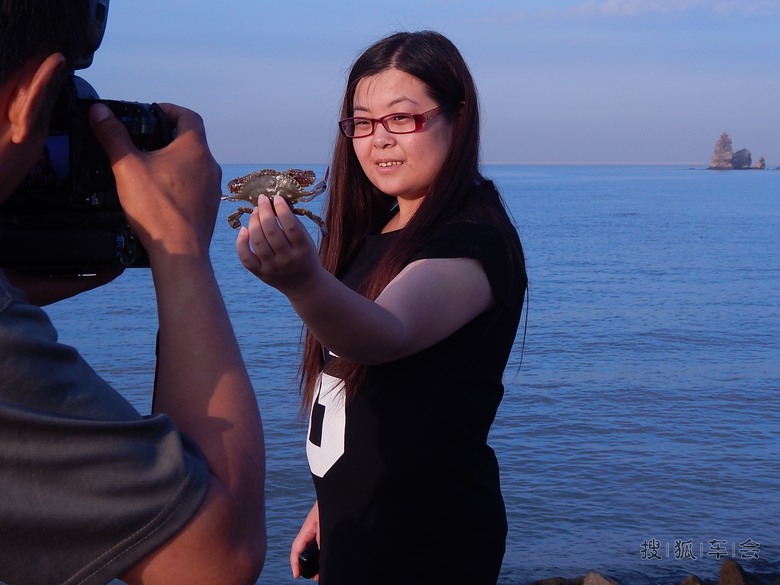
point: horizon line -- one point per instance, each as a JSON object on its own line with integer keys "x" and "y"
{"x": 518, "y": 163}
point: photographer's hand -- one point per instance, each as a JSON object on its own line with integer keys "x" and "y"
{"x": 170, "y": 197}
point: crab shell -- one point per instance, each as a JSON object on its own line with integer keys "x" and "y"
{"x": 269, "y": 183}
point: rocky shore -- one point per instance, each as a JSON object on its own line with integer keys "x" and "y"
{"x": 731, "y": 573}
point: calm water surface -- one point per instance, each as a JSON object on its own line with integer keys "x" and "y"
{"x": 641, "y": 435}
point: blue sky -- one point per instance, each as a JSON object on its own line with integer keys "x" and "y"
{"x": 559, "y": 80}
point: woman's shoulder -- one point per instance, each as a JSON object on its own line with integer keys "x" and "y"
{"x": 483, "y": 217}
{"x": 484, "y": 231}
{"x": 464, "y": 235}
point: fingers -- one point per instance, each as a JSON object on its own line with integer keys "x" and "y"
{"x": 310, "y": 531}
{"x": 248, "y": 259}
{"x": 115, "y": 139}
{"x": 110, "y": 132}
{"x": 276, "y": 247}
{"x": 271, "y": 226}
{"x": 270, "y": 214}
{"x": 255, "y": 251}
{"x": 294, "y": 563}
{"x": 186, "y": 122}
{"x": 183, "y": 119}
{"x": 267, "y": 238}
{"x": 299, "y": 545}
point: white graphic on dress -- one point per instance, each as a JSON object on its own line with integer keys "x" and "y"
{"x": 327, "y": 424}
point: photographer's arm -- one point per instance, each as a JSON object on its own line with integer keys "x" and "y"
{"x": 170, "y": 197}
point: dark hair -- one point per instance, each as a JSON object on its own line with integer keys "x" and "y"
{"x": 356, "y": 207}
{"x": 32, "y": 28}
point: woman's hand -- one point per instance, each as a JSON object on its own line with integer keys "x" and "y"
{"x": 308, "y": 532}
{"x": 277, "y": 248}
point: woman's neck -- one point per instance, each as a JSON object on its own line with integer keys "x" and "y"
{"x": 405, "y": 211}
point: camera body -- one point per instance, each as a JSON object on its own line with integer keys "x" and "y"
{"x": 66, "y": 218}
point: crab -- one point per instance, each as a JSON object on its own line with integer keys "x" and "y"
{"x": 290, "y": 185}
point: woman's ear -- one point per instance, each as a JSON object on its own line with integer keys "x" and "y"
{"x": 36, "y": 85}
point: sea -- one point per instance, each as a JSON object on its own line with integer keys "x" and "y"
{"x": 639, "y": 435}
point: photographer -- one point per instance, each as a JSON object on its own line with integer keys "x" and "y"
{"x": 90, "y": 490}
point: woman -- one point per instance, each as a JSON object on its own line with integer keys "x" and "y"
{"x": 411, "y": 307}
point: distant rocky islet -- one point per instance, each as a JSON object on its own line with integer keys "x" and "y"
{"x": 724, "y": 158}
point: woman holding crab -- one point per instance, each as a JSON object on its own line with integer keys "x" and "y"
{"x": 412, "y": 306}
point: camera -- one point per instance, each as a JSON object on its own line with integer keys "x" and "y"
{"x": 65, "y": 217}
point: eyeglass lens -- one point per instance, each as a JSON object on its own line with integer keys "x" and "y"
{"x": 395, "y": 123}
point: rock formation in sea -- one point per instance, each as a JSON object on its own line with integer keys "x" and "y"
{"x": 724, "y": 157}
{"x": 724, "y": 152}
{"x": 742, "y": 159}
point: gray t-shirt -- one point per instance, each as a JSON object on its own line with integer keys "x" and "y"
{"x": 88, "y": 486}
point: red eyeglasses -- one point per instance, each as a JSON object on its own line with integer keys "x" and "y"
{"x": 360, "y": 127}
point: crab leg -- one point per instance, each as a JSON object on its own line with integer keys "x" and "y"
{"x": 316, "y": 219}
{"x": 233, "y": 220}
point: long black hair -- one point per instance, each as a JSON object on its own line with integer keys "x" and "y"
{"x": 356, "y": 207}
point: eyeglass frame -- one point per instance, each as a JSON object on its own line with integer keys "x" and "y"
{"x": 419, "y": 121}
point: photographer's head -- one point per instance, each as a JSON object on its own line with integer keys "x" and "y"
{"x": 39, "y": 43}
{"x": 38, "y": 29}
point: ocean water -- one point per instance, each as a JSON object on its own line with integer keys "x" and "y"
{"x": 640, "y": 435}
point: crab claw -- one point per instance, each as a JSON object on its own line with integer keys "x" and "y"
{"x": 322, "y": 186}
